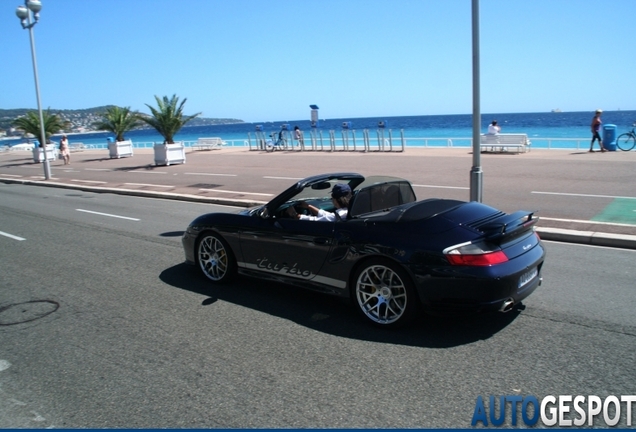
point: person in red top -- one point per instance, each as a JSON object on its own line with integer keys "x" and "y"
{"x": 596, "y": 127}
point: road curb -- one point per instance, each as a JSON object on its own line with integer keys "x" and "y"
{"x": 141, "y": 193}
{"x": 624, "y": 241}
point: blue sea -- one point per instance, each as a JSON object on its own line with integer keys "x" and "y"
{"x": 545, "y": 130}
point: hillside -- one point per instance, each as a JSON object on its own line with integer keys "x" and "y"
{"x": 82, "y": 119}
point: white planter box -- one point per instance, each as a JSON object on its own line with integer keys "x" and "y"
{"x": 119, "y": 149}
{"x": 51, "y": 153}
{"x": 168, "y": 154}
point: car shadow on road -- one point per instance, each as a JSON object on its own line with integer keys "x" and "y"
{"x": 333, "y": 315}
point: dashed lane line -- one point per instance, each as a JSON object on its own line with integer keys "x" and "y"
{"x": 12, "y": 236}
{"x": 212, "y": 174}
{"x": 147, "y": 184}
{"x": 283, "y": 178}
{"x": 441, "y": 187}
{"x": 147, "y": 172}
{"x": 582, "y": 195}
{"x": 108, "y": 214}
{"x": 235, "y": 192}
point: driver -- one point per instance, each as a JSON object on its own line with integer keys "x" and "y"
{"x": 340, "y": 196}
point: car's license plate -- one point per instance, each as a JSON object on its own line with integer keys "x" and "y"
{"x": 527, "y": 277}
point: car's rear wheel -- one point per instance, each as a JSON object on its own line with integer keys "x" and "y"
{"x": 215, "y": 258}
{"x": 384, "y": 293}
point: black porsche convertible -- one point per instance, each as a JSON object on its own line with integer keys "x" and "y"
{"x": 392, "y": 255}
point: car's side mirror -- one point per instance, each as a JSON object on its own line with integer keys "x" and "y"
{"x": 263, "y": 213}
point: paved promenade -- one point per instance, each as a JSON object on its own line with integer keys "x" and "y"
{"x": 580, "y": 196}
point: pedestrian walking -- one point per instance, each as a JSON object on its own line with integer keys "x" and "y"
{"x": 596, "y": 127}
{"x": 65, "y": 151}
{"x": 298, "y": 136}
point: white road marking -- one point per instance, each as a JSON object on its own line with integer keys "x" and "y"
{"x": 148, "y": 172}
{"x": 97, "y": 169}
{"x": 106, "y": 214}
{"x": 10, "y": 175}
{"x": 4, "y": 365}
{"x": 146, "y": 184}
{"x": 235, "y": 192}
{"x": 37, "y": 417}
{"x": 12, "y": 236}
{"x": 212, "y": 174}
{"x": 283, "y": 178}
{"x": 89, "y": 181}
{"x": 582, "y": 195}
{"x": 441, "y": 187}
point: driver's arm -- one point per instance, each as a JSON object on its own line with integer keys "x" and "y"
{"x": 313, "y": 209}
{"x": 291, "y": 212}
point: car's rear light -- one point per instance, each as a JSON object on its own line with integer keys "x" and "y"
{"x": 475, "y": 254}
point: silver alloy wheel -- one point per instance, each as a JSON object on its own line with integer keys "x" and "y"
{"x": 213, "y": 258}
{"x": 381, "y": 294}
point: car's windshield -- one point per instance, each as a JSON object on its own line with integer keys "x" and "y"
{"x": 319, "y": 190}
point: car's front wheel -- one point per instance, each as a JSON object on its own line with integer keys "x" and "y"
{"x": 384, "y": 293}
{"x": 215, "y": 258}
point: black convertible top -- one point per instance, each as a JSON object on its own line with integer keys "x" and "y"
{"x": 414, "y": 211}
{"x": 428, "y": 208}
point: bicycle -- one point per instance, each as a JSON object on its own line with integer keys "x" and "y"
{"x": 279, "y": 144}
{"x": 627, "y": 141}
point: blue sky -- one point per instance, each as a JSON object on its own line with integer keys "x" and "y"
{"x": 268, "y": 60}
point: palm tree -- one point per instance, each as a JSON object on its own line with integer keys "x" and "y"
{"x": 30, "y": 123}
{"x": 168, "y": 117}
{"x": 118, "y": 121}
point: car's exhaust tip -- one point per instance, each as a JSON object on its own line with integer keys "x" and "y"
{"x": 507, "y": 305}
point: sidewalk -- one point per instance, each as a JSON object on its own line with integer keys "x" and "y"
{"x": 234, "y": 176}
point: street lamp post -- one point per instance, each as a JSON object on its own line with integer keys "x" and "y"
{"x": 33, "y": 7}
{"x": 476, "y": 173}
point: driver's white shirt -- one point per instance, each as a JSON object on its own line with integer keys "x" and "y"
{"x": 326, "y": 216}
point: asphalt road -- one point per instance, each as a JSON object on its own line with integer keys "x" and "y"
{"x": 102, "y": 325}
{"x": 570, "y": 190}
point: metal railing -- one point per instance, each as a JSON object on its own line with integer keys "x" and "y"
{"x": 352, "y": 141}
{"x": 537, "y": 143}
{"x": 150, "y": 144}
{"x": 346, "y": 140}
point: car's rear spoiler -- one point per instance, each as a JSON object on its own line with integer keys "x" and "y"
{"x": 509, "y": 225}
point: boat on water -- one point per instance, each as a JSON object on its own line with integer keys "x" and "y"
{"x": 556, "y": 110}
